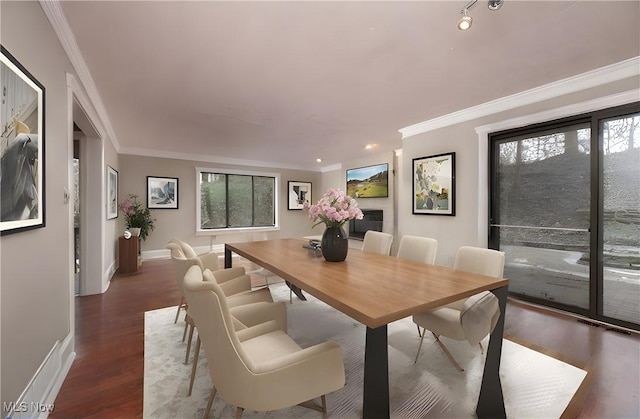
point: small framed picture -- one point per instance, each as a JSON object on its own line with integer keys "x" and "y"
{"x": 112, "y": 193}
{"x": 434, "y": 184}
{"x": 162, "y": 192}
{"x": 299, "y": 193}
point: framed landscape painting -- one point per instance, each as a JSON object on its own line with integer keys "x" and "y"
{"x": 162, "y": 192}
{"x": 368, "y": 182}
{"x": 299, "y": 193}
{"x": 21, "y": 148}
{"x": 434, "y": 184}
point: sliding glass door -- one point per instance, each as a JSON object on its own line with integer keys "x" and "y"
{"x": 565, "y": 209}
{"x": 621, "y": 217}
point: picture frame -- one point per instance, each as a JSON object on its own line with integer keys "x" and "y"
{"x": 112, "y": 193}
{"x": 434, "y": 184}
{"x": 162, "y": 192}
{"x": 369, "y": 181}
{"x": 22, "y": 148}
{"x": 298, "y": 194}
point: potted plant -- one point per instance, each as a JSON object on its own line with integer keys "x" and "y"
{"x": 137, "y": 217}
{"x": 333, "y": 210}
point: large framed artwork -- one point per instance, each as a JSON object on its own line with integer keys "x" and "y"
{"x": 299, "y": 193}
{"x": 369, "y": 181}
{"x": 112, "y": 193}
{"x": 434, "y": 184}
{"x": 162, "y": 192}
{"x": 22, "y": 156}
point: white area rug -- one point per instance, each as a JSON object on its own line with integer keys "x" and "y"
{"x": 534, "y": 385}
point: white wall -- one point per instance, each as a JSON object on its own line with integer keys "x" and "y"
{"x": 35, "y": 265}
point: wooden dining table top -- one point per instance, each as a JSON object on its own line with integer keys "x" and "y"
{"x": 371, "y": 288}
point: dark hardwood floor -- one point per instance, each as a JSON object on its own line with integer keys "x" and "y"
{"x": 106, "y": 378}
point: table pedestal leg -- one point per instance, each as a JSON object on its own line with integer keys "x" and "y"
{"x": 227, "y": 258}
{"x": 376, "y": 374}
{"x": 490, "y": 401}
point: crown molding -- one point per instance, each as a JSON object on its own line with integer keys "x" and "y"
{"x": 53, "y": 10}
{"x": 592, "y": 105}
{"x": 146, "y": 152}
{"x": 600, "y": 76}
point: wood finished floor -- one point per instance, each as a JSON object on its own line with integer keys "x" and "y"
{"x": 106, "y": 378}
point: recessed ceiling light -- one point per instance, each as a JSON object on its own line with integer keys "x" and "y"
{"x": 370, "y": 146}
{"x": 319, "y": 160}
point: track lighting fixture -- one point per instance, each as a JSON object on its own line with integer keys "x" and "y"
{"x": 494, "y": 5}
{"x": 465, "y": 21}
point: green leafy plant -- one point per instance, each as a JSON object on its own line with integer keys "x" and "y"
{"x": 136, "y": 216}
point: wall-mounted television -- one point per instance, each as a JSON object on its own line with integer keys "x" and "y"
{"x": 368, "y": 182}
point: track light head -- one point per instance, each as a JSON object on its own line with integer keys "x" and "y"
{"x": 465, "y": 21}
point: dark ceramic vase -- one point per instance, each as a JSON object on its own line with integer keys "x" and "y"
{"x": 334, "y": 244}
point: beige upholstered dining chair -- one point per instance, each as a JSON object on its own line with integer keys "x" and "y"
{"x": 243, "y": 317}
{"x": 259, "y": 368}
{"x": 420, "y": 249}
{"x": 470, "y": 319}
{"x": 378, "y": 242}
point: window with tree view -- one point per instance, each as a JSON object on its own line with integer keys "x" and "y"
{"x": 565, "y": 209}
{"x": 231, "y": 200}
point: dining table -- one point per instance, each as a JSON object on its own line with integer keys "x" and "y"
{"x": 376, "y": 290}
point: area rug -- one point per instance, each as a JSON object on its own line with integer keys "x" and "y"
{"x": 534, "y": 385}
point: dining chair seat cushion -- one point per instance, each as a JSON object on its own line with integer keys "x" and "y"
{"x": 270, "y": 346}
{"x": 441, "y": 321}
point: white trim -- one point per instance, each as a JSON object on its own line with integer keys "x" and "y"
{"x": 597, "y": 104}
{"x": 600, "y": 76}
{"x": 37, "y": 398}
{"x": 208, "y": 158}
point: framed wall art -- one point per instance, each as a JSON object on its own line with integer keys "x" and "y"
{"x": 162, "y": 192}
{"x": 22, "y": 154}
{"x": 299, "y": 193}
{"x": 112, "y": 193}
{"x": 434, "y": 184}
{"x": 368, "y": 182}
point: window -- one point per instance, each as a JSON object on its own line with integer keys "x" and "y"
{"x": 235, "y": 200}
{"x": 565, "y": 209}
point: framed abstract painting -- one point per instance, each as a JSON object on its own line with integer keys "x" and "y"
{"x": 434, "y": 184}
{"x": 21, "y": 148}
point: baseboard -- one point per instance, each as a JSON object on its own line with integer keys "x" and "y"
{"x": 108, "y": 275}
{"x": 38, "y": 397}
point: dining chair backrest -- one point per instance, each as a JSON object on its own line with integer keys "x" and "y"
{"x": 419, "y": 249}
{"x": 479, "y": 260}
{"x": 378, "y": 242}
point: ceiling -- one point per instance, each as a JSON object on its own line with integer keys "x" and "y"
{"x": 284, "y": 83}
